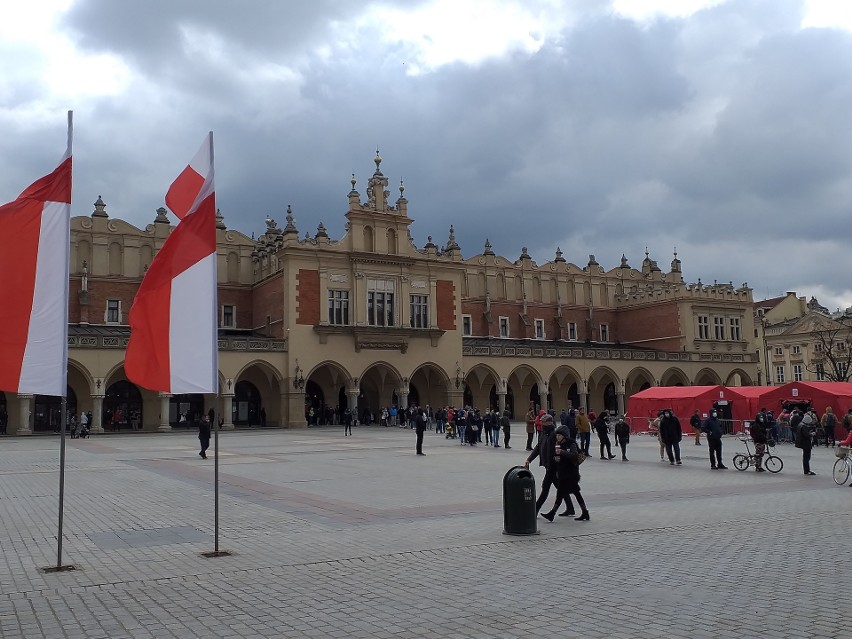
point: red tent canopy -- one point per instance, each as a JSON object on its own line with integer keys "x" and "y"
{"x": 819, "y": 395}
{"x": 683, "y": 400}
{"x": 753, "y": 399}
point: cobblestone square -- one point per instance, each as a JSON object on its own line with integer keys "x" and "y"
{"x": 358, "y": 537}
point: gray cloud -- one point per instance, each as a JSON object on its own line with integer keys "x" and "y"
{"x": 726, "y": 134}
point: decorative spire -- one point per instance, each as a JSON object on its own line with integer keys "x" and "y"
{"x": 451, "y": 241}
{"x": 559, "y": 257}
{"x": 291, "y": 227}
{"x": 429, "y": 243}
{"x": 378, "y": 161}
{"x": 488, "y": 249}
{"x": 272, "y": 227}
{"x": 220, "y": 220}
{"x": 161, "y": 216}
{"x": 401, "y": 188}
{"x": 624, "y": 263}
{"x": 100, "y": 208}
{"x": 593, "y": 261}
{"x": 321, "y": 232}
{"x": 524, "y": 254}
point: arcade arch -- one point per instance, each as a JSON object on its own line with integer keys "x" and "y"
{"x": 258, "y": 402}
{"x": 429, "y": 385}
{"x": 564, "y": 386}
{"x": 674, "y": 377}
{"x": 707, "y": 377}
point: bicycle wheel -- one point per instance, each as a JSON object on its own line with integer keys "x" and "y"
{"x": 773, "y": 464}
{"x": 741, "y": 462}
{"x": 840, "y": 472}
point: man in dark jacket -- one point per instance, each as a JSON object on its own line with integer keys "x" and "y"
{"x": 671, "y": 433}
{"x": 545, "y": 450}
{"x": 420, "y": 428}
{"x": 714, "y": 429}
{"x": 204, "y": 436}
{"x": 506, "y": 425}
{"x": 758, "y": 435}
{"x": 695, "y": 422}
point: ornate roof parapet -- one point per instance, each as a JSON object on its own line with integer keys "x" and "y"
{"x": 624, "y": 263}
{"x": 675, "y": 263}
{"x": 488, "y": 248}
{"x": 322, "y": 235}
{"x": 220, "y": 220}
{"x": 377, "y": 193}
{"x": 430, "y": 248}
{"x": 354, "y": 196}
{"x": 401, "y": 202}
{"x": 452, "y": 249}
{"x": 161, "y": 216}
{"x": 559, "y": 257}
{"x": 290, "y": 228}
{"x": 100, "y": 208}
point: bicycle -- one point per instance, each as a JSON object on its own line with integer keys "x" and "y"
{"x": 843, "y": 465}
{"x": 771, "y": 462}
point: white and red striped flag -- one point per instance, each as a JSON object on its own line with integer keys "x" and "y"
{"x": 173, "y": 334}
{"x": 34, "y": 245}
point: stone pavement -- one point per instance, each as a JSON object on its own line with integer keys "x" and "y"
{"x": 358, "y": 537}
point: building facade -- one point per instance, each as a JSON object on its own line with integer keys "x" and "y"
{"x": 372, "y": 320}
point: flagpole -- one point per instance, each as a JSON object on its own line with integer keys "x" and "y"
{"x": 63, "y": 418}
{"x": 63, "y": 421}
{"x": 216, "y": 472}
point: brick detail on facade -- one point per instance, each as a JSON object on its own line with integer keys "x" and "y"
{"x": 269, "y": 300}
{"x": 446, "y": 304}
{"x": 307, "y": 297}
{"x": 659, "y": 323}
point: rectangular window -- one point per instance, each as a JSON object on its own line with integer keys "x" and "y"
{"x": 380, "y": 303}
{"x": 338, "y": 307}
{"x": 572, "y": 331}
{"x": 841, "y": 346}
{"x": 796, "y": 350}
{"x": 504, "y": 327}
{"x": 820, "y": 373}
{"x": 604, "y": 332}
{"x": 703, "y": 327}
{"x": 797, "y": 372}
{"x": 539, "y": 329}
{"x": 779, "y": 351}
{"x": 818, "y": 347}
{"x": 719, "y": 327}
{"x": 419, "y": 317}
{"x": 842, "y": 371}
{"x": 228, "y": 316}
{"x": 467, "y": 326}
{"x": 113, "y": 312}
{"x": 734, "y": 324}
{"x": 779, "y": 375}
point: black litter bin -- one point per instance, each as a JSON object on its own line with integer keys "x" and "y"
{"x": 519, "y": 515}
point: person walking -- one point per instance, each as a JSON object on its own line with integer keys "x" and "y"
{"x": 530, "y": 420}
{"x": 828, "y": 423}
{"x": 495, "y": 428}
{"x": 602, "y": 429}
{"x": 805, "y": 441}
{"x": 566, "y": 462}
{"x": 545, "y": 450}
{"x": 758, "y": 435}
{"x": 506, "y": 425}
{"x": 204, "y": 436}
{"x": 584, "y": 431}
{"x": 461, "y": 425}
{"x": 347, "y": 422}
{"x": 419, "y": 429}
{"x": 671, "y": 435}
{"x": 622, "y": 436}
{"x": 695, "y": 422}
{"x": 714, "y": 430}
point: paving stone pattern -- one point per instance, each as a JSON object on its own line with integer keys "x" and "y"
{"x": 358, "y": 537}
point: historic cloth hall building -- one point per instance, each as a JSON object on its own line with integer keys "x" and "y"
{"x": 371, "y": 320}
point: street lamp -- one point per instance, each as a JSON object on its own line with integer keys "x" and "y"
{"x": 459, "y": 376}
{"x": 298, "y": 378}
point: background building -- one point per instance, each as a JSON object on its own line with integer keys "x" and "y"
{"x": 311, "y": 324}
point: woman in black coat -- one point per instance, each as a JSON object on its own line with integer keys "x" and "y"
{"x": 567, "y": 475}
{"x": 601, "y": 427}
{"x": 474, "y": 427}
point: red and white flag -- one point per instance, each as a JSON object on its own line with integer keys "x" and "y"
{"x": 34, "y": 245}
{"x": 173, "y": 323}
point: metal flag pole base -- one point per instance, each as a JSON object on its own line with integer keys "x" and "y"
{"x": 64, "y": 568}
{"x": 215, "y": 426}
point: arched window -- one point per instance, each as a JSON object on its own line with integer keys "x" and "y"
{"x": 246, "y": 404}
{"x": 392, "y": 247}
{"x": 500, "y": 292}
{"x": 115, "y": 258}
{"x": 146, "y": 256}
{"x": 124, "y": 397}
{"x": 84, "y": 254}
{"x": 369, "y": 244}
{"x": 233, "y": 268}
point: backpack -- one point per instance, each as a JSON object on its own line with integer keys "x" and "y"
{"x": 830, "y": 420}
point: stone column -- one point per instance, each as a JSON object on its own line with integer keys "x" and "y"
{"x": 228, "y": 411}
{"x": 403, "y": 398}
{"x": 97, "y": 425}
{"x": 164, "y": 413}
{"x": 584, "y": 397}
{"x": 542, "y": 394}
{"x": 501, "y": 401}
{"x": 455, "y": 398}
{"x": 25, "y": 412}
{"x": 296, "y": 409}
{"x": 353, "y": 400}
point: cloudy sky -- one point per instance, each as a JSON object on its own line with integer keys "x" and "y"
{"x": 721, "y": 127}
